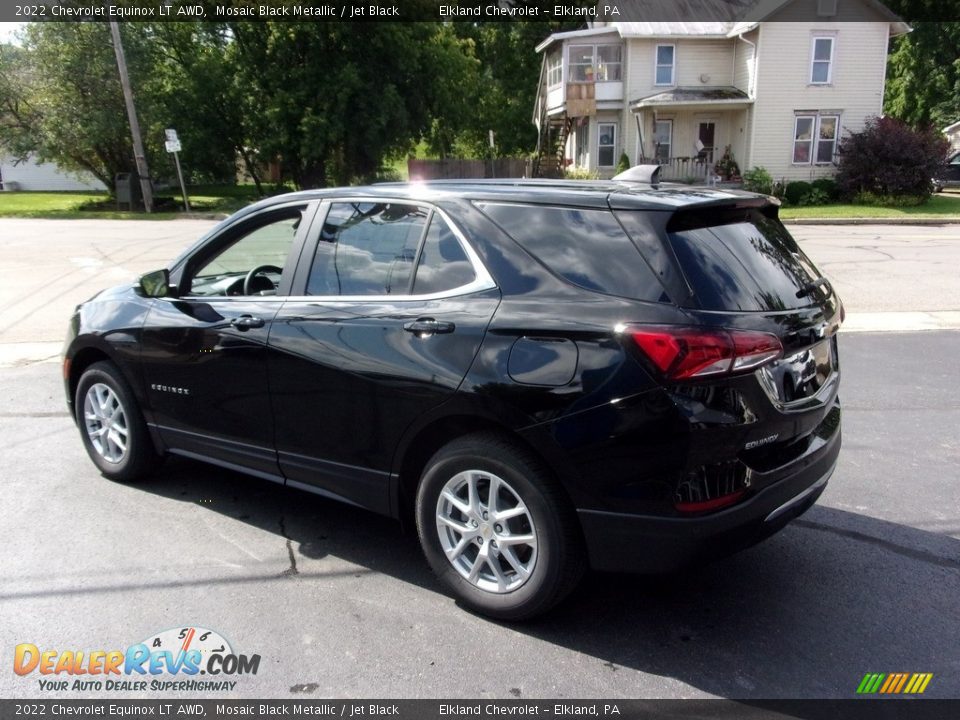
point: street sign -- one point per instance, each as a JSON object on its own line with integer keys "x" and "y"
{"x": 172, "y": 143}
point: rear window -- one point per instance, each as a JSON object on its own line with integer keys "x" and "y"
{"x": 740, "y": 259}
{"x": 585, "y": 247}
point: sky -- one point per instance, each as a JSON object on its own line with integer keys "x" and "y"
{"x": 7, "y": 29}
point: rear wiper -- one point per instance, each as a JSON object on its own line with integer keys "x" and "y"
{"x": 813, "y": 285}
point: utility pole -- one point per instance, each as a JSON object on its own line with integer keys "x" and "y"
{"x": 138, "y": 154}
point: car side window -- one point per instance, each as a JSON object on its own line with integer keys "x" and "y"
{"x": 367, "y": 248}
{"x": 585, "y": 247}
{"x": 265, "y": 246}
{"x": 443, "y": 263}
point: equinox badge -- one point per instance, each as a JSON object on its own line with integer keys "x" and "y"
{"x": 761, "y": 442}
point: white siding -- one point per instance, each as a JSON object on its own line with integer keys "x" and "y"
{"x": 743, "y": 62}
{"x": 783, "y": 87}
{"x": 954, "y": 137}
{"x": 711, "y": 58}
{"x": 31, "y": 175}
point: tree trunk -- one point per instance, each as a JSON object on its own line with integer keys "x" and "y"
{"x": 252, "y": 171}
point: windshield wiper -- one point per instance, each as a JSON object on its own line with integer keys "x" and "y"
{"x": 813, "y": 285}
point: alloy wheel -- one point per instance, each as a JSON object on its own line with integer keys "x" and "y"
{"x": 106, "y": 423}
{"x": 486, "y": 531}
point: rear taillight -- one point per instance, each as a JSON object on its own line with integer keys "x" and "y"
{"x": 688, "y": 352}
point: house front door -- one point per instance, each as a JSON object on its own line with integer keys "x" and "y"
{"x": 706, "y": 134}
{"x": 663, "y": 139}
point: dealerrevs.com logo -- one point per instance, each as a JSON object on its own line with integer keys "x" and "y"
{"x": 184, "y": 653}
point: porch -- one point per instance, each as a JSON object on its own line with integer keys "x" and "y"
{"x": 688, "y": 130}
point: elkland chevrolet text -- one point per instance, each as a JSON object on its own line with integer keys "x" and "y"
{"x": 544, "y": 375}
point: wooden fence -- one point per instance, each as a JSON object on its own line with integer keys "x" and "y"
{"x": 453, "y": 168}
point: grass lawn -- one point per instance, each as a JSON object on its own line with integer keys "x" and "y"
{"x": 944, "y": 205}
{"x": 226, "y": 199}
{"x": 204, "y": 199}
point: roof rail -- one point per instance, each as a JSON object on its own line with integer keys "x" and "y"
{"x": 648, "y": 174}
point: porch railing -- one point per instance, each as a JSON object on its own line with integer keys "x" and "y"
{"x": 693, "y": 169}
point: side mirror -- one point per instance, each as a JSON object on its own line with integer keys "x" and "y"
{"x": 155, "y": 284}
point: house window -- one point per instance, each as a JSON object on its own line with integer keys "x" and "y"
{"x": 666, "y": 64}
{"x": 606, "y": 144}
{"x": 608, "y": 63}
{"x": 663, "y": 139}
{"x": 821, "y": 65}
{"x": 827, "y": 127}
{"x": 554, "y": 70}
{"x": 815, "y": 139}
{"x": 581, "y": 63}
{"x": 595, "y": 63}
{"x": 826, "y": 8}
{"x": 580, "y": 145}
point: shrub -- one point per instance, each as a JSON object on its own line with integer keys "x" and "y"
{"x": 815, "y": 197}
{"x": 828, "y": 186}
{"x": 575, "y": 173}
{"x": 890, "y": 159}
{"x": 624, "y": 164}
{"x": 758, "y": 180}
{"x": 796, "y": 190}
{"x": 869, "y": 198}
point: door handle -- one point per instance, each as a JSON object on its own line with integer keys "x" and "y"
{"x": 245, "y": 322}
{"x": 424, "y": 327}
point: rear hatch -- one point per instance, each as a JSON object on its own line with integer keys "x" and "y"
{"x": 744, "y": 270}
{"x": 733, "y": 265}
{"x": 737, "y": 273}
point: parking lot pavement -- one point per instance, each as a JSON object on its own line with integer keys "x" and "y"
{"x": 337, "y": 602}
{"x": 48, "y": 266}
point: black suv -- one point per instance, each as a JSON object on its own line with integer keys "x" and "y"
{"x": 544, "y": 375}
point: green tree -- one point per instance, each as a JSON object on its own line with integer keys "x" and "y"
{"x": 923, "y": 75}
{"x": 509, "y": 70}
{"x": 60, "y": 98}
{"x": 66, "y": 102}
{"x": 336, "y": 99}
{"x": 192, "y": 87}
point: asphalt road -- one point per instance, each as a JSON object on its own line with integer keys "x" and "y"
{"x": 339, "y": 602}
{"x": 890, "y": 277}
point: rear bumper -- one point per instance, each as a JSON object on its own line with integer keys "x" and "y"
{"x": 622, "y": 542}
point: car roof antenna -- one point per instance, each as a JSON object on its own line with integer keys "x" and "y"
{"x": 647, "y": 174}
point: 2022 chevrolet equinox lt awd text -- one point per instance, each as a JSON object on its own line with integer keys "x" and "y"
{"x": 545, "y": 376}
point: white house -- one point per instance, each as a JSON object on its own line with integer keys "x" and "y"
{"x": 778, "y": 90}
{"x": 33, "y": 175}
{"x": 953, "y": 135}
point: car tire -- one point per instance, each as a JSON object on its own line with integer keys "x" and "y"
{"x": 112, "y": 426}
{"x": 511, "y": 558}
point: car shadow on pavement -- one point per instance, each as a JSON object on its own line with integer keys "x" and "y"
{"x": 805, "y": 614}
